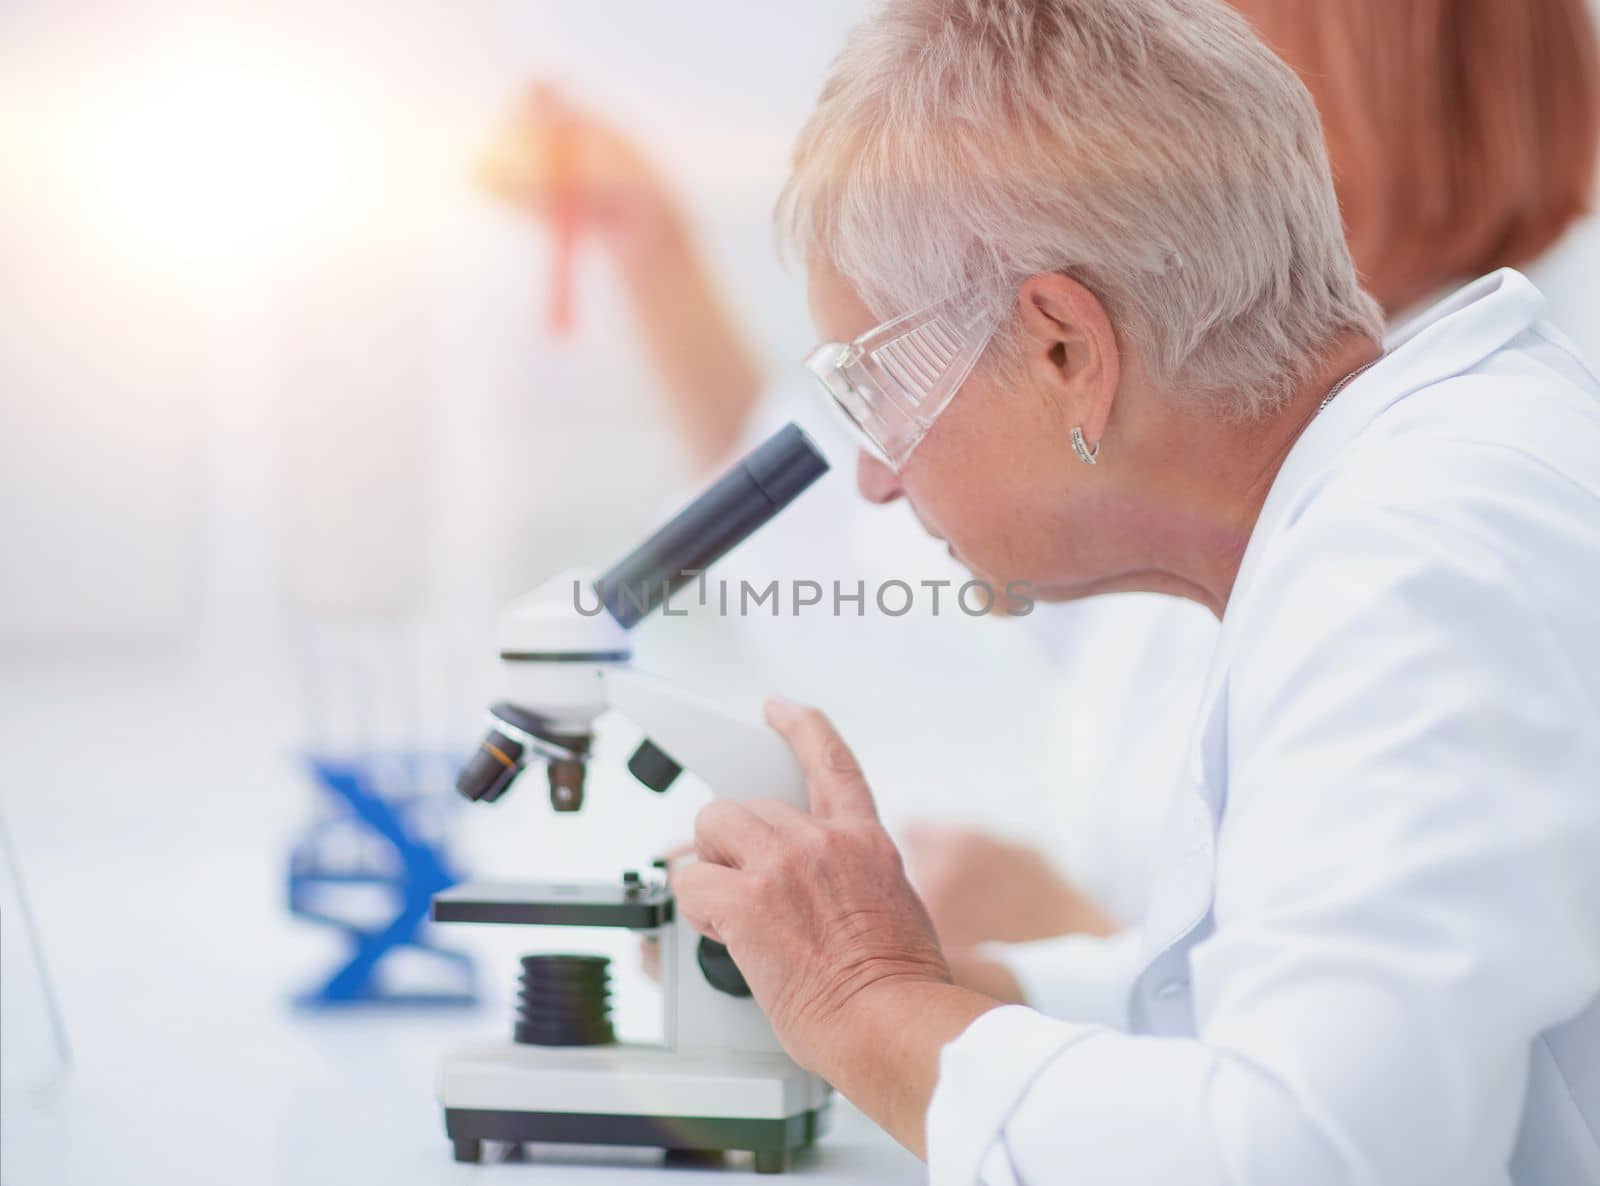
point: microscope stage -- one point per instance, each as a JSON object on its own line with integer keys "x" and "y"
{"x": 637, "y": 907}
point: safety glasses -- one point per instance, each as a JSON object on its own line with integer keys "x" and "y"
{"x": 893, "y": 381}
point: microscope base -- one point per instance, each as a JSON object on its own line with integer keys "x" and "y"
{"x": 631, "y": 1095}
{"x": 770, "y": 1140}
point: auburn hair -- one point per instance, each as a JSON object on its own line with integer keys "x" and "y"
{"x": 1463, "y": 134}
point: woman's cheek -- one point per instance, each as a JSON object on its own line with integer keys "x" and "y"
{"x": 994, "y": 554}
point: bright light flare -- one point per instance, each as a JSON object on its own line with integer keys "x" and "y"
{"x": 215, "y": 162}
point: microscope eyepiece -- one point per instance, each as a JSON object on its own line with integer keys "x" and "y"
{"x": 760, "y": 484}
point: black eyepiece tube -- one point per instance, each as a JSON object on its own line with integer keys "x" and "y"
{"x": 766, "y": 480}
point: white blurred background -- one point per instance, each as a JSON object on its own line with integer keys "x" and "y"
{"x": 280, "y": 429}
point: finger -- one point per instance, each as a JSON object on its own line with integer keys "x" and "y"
{"x": 834, "y": 780}
{"x": 522, "y": 162}
{"x": 706, "y": 895}
{"x": 729, "y": 834}
{"x": 671, "y": 858}
{"x": 783, "y": 818}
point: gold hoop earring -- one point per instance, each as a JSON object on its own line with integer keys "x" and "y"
{"x": 1081, "y": 447}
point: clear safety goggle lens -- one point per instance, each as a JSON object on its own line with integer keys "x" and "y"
{"x": 826, "y": 362}
{"x": 893, "y": 381}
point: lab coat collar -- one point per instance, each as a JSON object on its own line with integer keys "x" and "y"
{"x": 1453, "y": 336}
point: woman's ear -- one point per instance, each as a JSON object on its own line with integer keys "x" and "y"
{"x": 1070, "y": 349}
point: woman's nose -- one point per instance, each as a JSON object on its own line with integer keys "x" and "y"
{"x": 876, "y": 481}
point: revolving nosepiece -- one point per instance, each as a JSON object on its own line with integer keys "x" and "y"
{"x": 514, "y": 737}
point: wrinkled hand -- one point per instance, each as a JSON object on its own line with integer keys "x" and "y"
{"x": 815, "y": 909}
{"x": 979, "y": 888}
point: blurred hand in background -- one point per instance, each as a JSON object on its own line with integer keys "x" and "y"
{"x": 980, "y": 889}
{"x": 584, "y": 180}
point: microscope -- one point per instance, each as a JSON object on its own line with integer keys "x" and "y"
{"x": 718, "y": 1080}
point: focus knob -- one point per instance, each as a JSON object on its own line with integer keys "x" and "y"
{"x": 719, "y": 969}
{"x": 653, "y": 767}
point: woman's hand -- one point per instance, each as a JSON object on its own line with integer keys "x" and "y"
{"x": 833, "y": 941}
{"x": 981, "y": 889}
{"x": 815, "y": 909}
{"x": 584, "y": 179}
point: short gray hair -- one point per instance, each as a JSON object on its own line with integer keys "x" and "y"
{"x": 1154, "y": 150}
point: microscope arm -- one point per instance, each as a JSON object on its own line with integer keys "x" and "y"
{"x": 736, "y": 758}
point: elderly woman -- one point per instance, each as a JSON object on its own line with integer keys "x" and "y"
{"x": 1463, "y": 137}
{"x": 1105, "y": 334}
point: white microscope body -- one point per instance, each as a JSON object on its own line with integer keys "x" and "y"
{"x": 719, "y": 1079}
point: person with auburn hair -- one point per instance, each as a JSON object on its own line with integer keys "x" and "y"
{"x": 1463, "y": 133}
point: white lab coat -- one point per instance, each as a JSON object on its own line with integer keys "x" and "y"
{"x": 1132, "y": 667}
{"x": 1372, "y": 954}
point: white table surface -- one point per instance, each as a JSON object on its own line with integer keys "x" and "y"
{"x": 343, "y": 1104}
